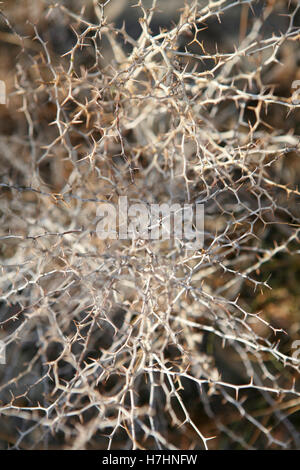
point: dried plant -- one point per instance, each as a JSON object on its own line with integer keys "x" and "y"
{"x": 144, "y": 344}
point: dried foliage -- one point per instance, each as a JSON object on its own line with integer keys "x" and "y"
{"x": 145, "y": 344}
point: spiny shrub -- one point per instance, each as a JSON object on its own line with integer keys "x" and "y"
{"x": 142, "y": 343}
